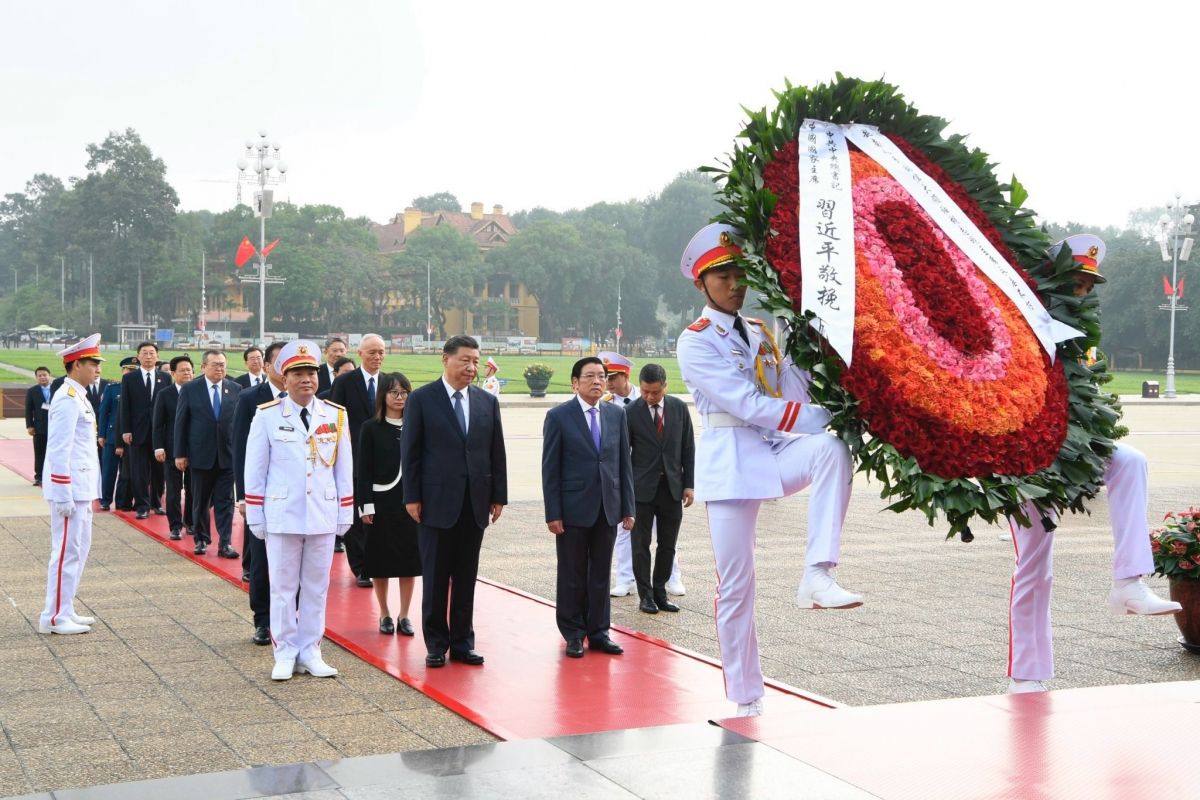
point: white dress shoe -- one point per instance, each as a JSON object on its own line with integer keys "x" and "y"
{"x": 1135, "y": 597}
{"x": 78, "y": 620}
{"x": 820, "y": 590}
{"x": 623, "y": 589}
{"x": 676, "y": 588}
{"x": 64, "y": 626}
{"x": 1025, "y": 687}
{"x": 1006, "y": 537}
{"x": 754, "y": 709}
{"x": 283, "y": 670}
{"x": 317, "y": 668}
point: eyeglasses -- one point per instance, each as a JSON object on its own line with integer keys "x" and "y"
{"x": 593, "y": 377}
{"x": 397, "y": 393}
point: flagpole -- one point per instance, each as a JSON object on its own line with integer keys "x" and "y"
{"x": 203, "y": 297}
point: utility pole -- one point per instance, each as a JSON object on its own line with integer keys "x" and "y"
{"x": 262, "y": 161}
{"x": 203, "y": 296}
{"x": 428, "y": 295}
{"x": 618, "y": 330}
{"x": 91, "y": 287}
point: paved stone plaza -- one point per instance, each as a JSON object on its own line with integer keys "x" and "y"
{"x": 168, "y": 682}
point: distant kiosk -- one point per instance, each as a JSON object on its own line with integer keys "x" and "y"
{"x": 130, "y": 335}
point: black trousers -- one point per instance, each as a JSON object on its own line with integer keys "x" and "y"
{"x": 584, "y": 562}
{"x": 124, "y": 499}
{"x": 158, "y": 483}
{"x": 355, "y": 541}
{"x": 179, "y": 513}
{"x": 39, "y": 455}
{"x": 141, "y": 462}
{"x": 212, "y": 488}
{"x": 260, "y": 580}
{"x": 449, "y": 567}
{"x": 669, "y": 513}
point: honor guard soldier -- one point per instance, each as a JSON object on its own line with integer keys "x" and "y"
{"x": 299, "y": 496}
{"x": 491, "y": 384}
{"x": 753, "y": 404}
{"x": 74, "y": 469}
{"x": 1127, "y": 476}
{"x": 621, "y": 391}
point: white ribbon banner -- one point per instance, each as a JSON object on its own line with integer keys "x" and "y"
{"x": 958, "y": 226}
{"x": 827, "y": 234}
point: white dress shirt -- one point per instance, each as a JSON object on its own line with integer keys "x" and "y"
{"x": 466, "y": 401}
{"x": 586, "y": 415}
{"x": 149, "y": 374}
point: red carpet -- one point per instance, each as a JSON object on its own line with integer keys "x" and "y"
{"x": 527, "y": 688}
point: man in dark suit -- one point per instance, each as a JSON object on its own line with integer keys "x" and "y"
{"x": 664, "y": 469}
{"x": 37, "y": 417}
{"x": 355, "y": 391}
{"x": 204, "y": 442}
{"x": 254, "y": 550}
{"x": 335, "y": 348}
{"x": 138, "y": 389}
{"x": 455, "y": 483}
{"x": 587, "y": 486}
{"x": 179, "y": 513}
{"x": 254, "y": 366}
{"x": 112, "y": 459}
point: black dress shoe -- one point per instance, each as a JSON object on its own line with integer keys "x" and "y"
{"x": 201, "y": 549}
{"x": 386, "y": 626}
{"x": 143, "y": 514}
{"x": 664, "y": 603}
{"x": 606, "y": 645}
{"x": 228, "y": 552}
{"x": 37, "y": 483}
{"x": 262, "y": 635}
{"x": 466, "y": 657}
{"x": 162, "y": 512}
{"x": 339, "y": 546}
{"x": 176, "y": 535}
{"x": 647, "y": 606}
{"x": 364, "y": 582}
{"x": 435, "y": 660}
{"x": 245, "y": 576}
{"x": 105, "y": 508}
{"x": 191, "y": 530}
{"x": 405, "y": 627}
{"x": 575, "y": 648}
{"x": 126, "y": 509}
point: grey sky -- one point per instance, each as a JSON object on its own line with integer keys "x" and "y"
{"x": 566, "y": 104}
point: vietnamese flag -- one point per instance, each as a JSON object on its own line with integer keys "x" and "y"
{"x": 1180, "y": 288}
{"x": 266, "y": 250}
{"x": 245, "y": 250}
{"x": 1167, "y": 290}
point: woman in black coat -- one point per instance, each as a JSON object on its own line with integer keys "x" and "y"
{"x": 391, "y": 535}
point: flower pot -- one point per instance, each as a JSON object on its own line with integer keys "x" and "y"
{"x": 537, "y": 386}
{"x": 1186, "y": 592}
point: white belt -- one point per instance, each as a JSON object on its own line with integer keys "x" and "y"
{"x": 719, "y": 419}
{"x": 379, "y": 487}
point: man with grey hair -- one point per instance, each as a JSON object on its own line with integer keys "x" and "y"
{"x": 356, "y": 391}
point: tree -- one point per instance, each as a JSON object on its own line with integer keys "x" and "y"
{"x": 441, "y": 201}
{"x": 544, "y": 257}
{"x": 455, "y": 266}
{"x": 673, "y": 216}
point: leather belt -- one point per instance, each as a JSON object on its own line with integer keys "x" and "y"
{"x": 720, "y": 419}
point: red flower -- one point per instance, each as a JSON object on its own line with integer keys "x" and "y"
{"x": 1183, "y": 562}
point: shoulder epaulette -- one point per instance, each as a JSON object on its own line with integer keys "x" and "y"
{"x": 335, "y": 405}
{"x": 699, "y": 324}
{"x": 71, "y": 391}
{"x": 755, "y": 321}
{"x": 607, "y": 398}
{"x": 270, "y": 403}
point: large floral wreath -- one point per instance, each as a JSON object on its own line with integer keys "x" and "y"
{"x": 951, "y": 402}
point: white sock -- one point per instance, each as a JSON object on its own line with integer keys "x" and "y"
{"x": 817, "y": 570}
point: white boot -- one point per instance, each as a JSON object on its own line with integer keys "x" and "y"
{"x": 317, "y": 668}
{"x": 1024, "y": 687}
{"x": 78, "y": 620}
{"x": 64, "y": 626}
{"x": 754, "y": 709}
{"x": 283, "y": 670}
{"x": 676, "y": 588}
{"x": 1133, "y": 596}
{"x": 820, "y": 590}
{"x": 623, "y": 589}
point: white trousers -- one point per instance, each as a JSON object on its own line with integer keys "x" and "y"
{"x": 70, "y": 541}
{"x": 623, "y": 555}
{"x": 298, "y": 563}
{"x": 1030, "y": 644}
{"x": 822, "y": 461}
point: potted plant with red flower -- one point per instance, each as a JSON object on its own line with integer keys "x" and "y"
{"x": 1176, "y": 549}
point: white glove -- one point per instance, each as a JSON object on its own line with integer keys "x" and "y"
{"x": 813, "y": 419}
{"x": 259, "y": 531}
{"x": 341, "y": 531}
{"x": 66, "y": 509}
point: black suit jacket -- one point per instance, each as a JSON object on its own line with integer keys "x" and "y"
{"x": 440, "y": 465}
{"x": 166, "y": 403}
{"x": 576, "y": 480}
{"x": 36, "y": 417}
{"x": 350, "y": 392}
{"x": 244, "y": 380}
{"x": 204, "y": 440}
{"x": 674, "y": 455}
{"x": 137, "y": 409}
{"x": 247, "y": 405}
{"x": 324, "y": 381}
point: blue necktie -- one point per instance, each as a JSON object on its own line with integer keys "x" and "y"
{"x": 216, "y": 402}
{"x": 458, "y": 412}
{"x": 595, "y": 429}
{"x": 371, "y": 392}
{"x": 46, "y": 393}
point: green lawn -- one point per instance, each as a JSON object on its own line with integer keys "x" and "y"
{"x": 1131, "y": 382}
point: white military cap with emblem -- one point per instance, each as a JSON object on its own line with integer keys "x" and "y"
{"x": 298, "y": 353}
{"x": 615, "y": 362}
{"x": 84, "y": 348}
{"x": 1087, "y": 249}
{"x": 713, "y": 246}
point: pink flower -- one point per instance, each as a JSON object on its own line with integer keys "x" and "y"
{"x": 1186, "y": 564}
{"x": 1191, "y": 526}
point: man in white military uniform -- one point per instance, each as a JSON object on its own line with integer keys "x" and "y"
{"x": 753, "y": 404}
{"x": 73, "y": 467}
{"x": 299, "y": 496}
{"x": 1127, "y": 476}
{"x": 491, "y": 384}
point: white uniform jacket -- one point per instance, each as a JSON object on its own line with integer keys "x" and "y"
{"x": 72, "y": 461}
{"x": 621, "y": 402}
{"x": 298, "y": 481}
{"x": 492, "y": 386}
{"x": 743, "y": 424}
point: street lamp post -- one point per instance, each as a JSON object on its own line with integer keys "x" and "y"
{"x": 1174, "y": 224}
{"x": 263, "y": 157}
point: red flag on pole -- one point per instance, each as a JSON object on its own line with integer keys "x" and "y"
{"x": 1181, "y": 288}
{"x": 267, "y": 250}
{"x": 245, "y": 250}
{"x": 1167, "y": 290}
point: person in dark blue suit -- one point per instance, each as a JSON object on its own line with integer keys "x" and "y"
{"x": 137, "y": 421}
{"x": 254, "y": 550}
{"x": 455, "y": 482}
{"x": 37, "y": 419}
{"x": 204, "y": 442}
{"x": 587, "y": 486}
{"x": 179, "y": 510}
{"x": 107, "y": 427}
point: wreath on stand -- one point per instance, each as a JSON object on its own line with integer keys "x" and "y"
{"x": 951, "y": 402}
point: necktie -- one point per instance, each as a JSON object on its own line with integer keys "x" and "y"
{"x": 216, "y": 402}
{"x": 304, "y": 417}
{"x": 149, "y": 386}
{"x": 740, "y": 327}
{"x": 594, "y": 425}
{"x": 371, "y": 392}
{"x": 46, "y": 393}
{"x": 458, "y": 412}
{"x": 658, "y": 420}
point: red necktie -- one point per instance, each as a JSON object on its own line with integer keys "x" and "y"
{"x": 658, "y": 420}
